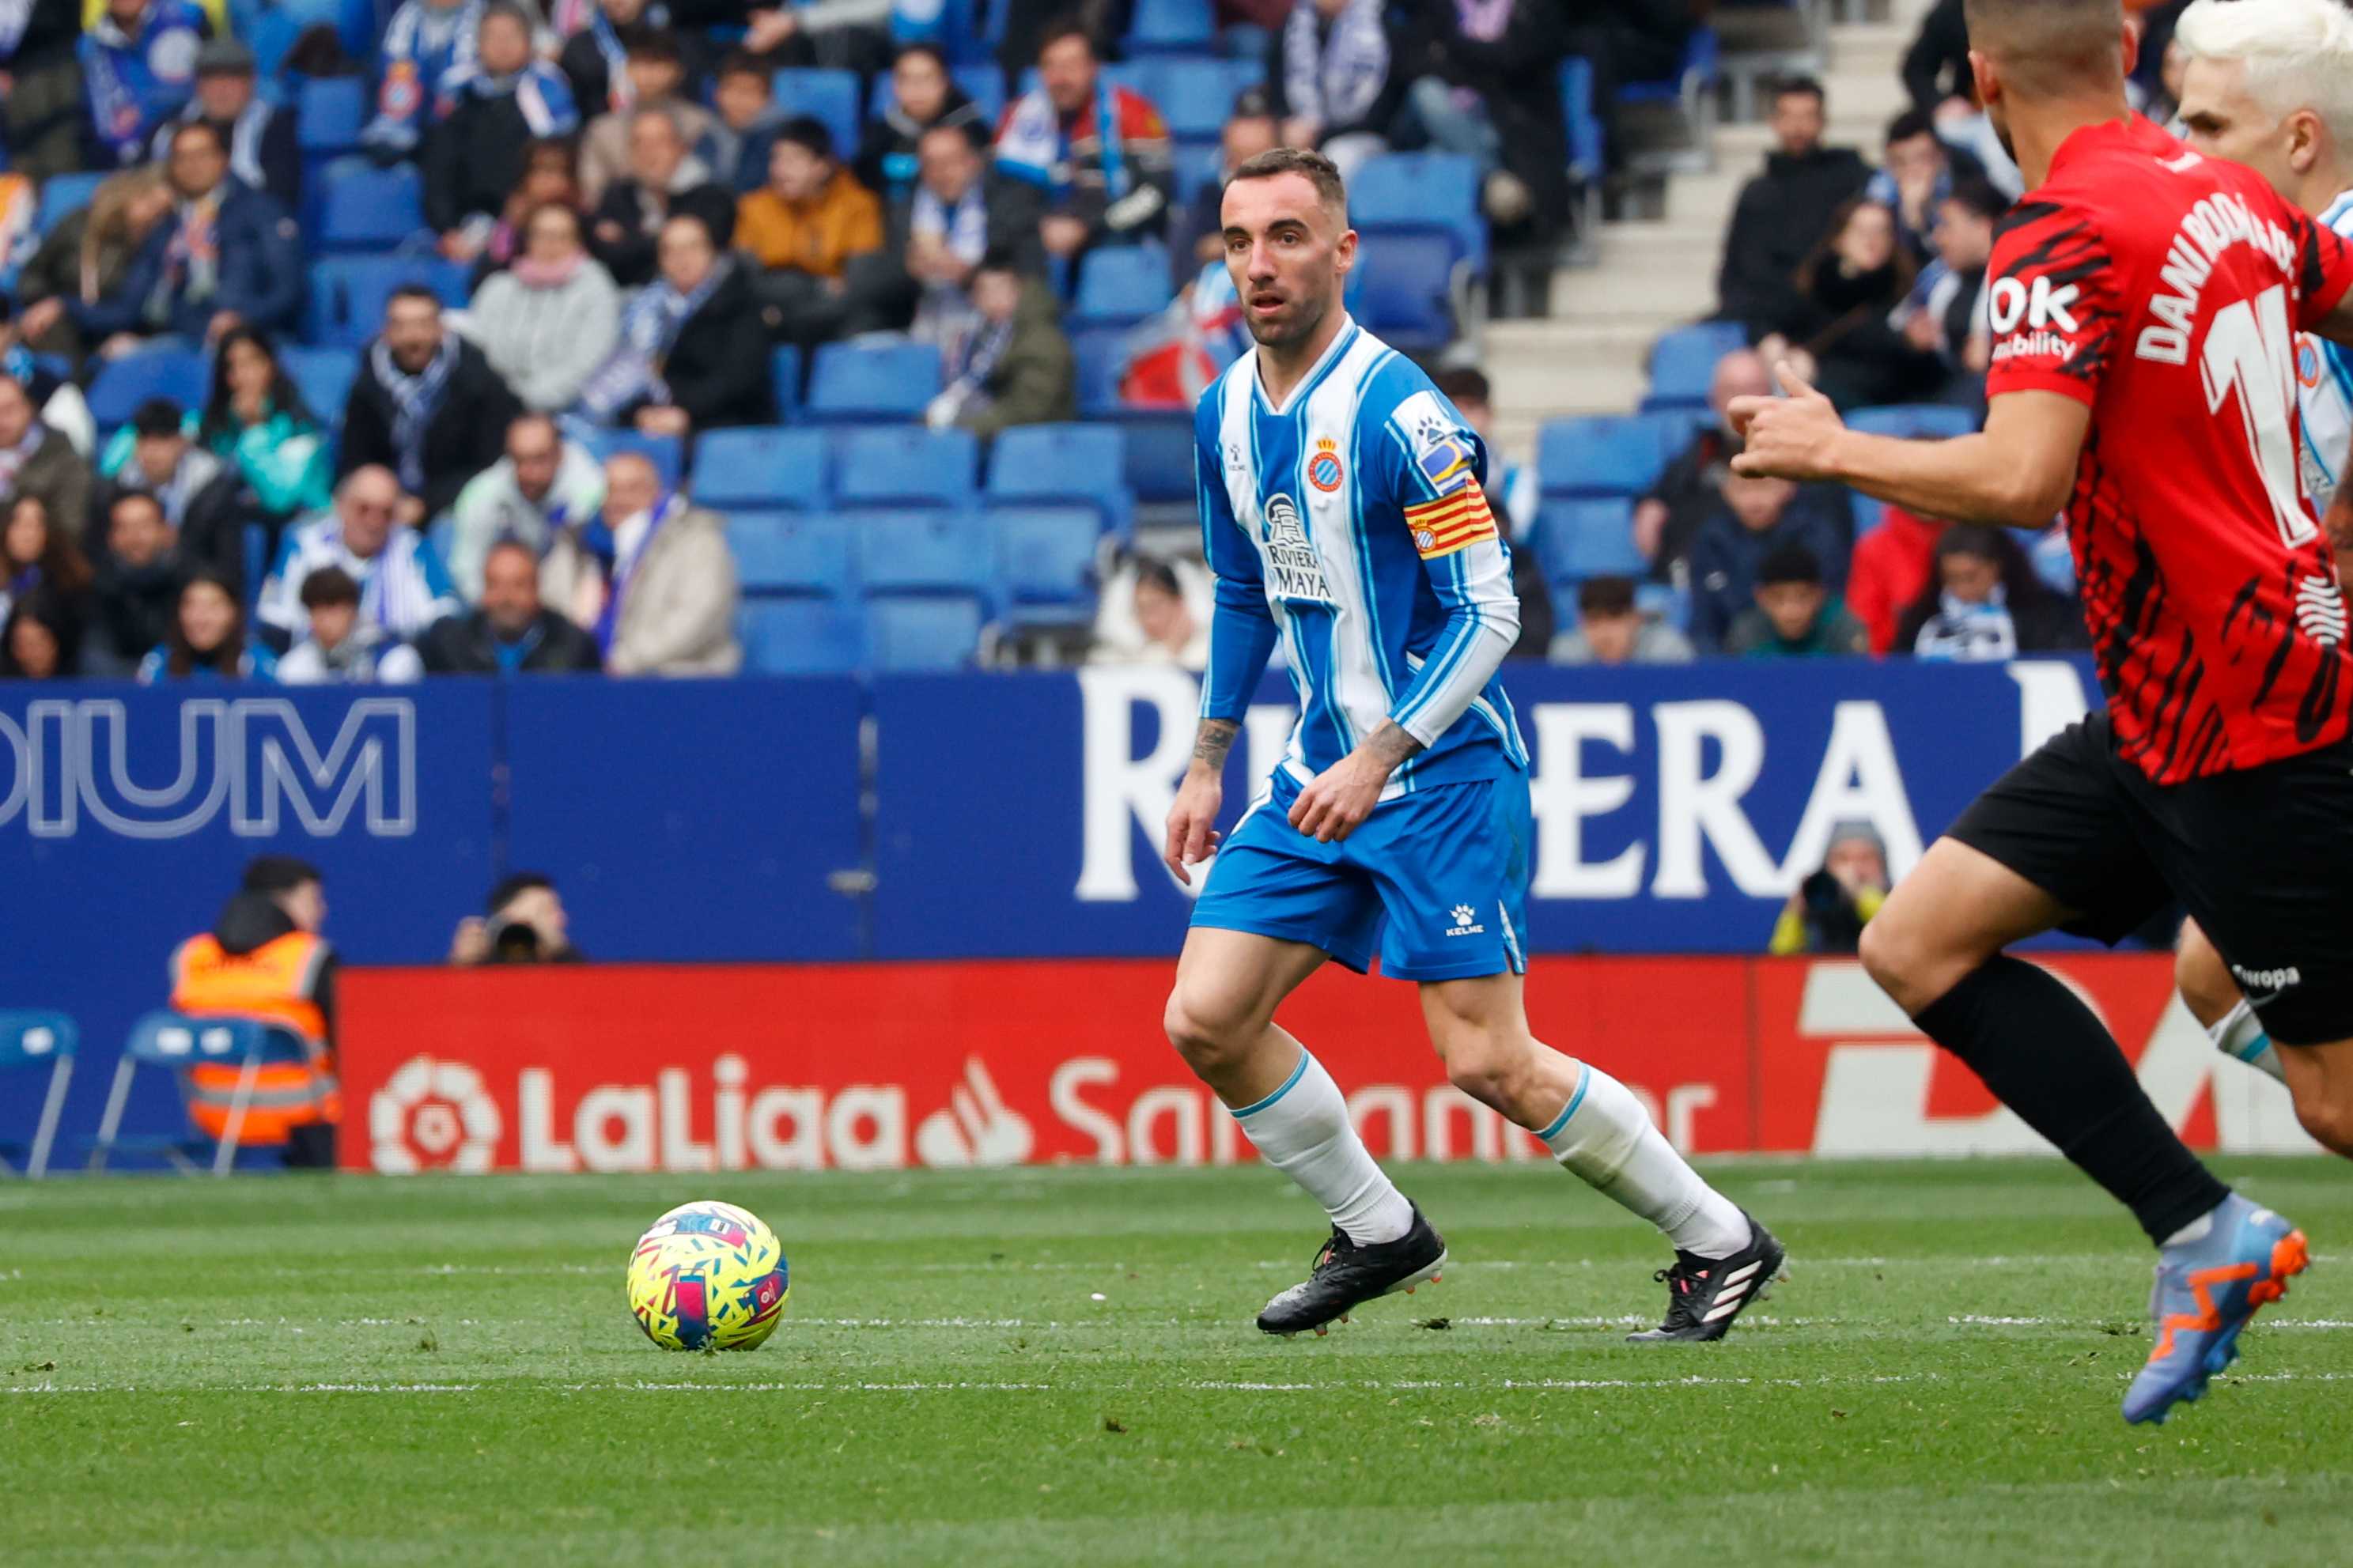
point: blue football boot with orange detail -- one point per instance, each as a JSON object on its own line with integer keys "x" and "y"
{"x": 2206, "y": 1291}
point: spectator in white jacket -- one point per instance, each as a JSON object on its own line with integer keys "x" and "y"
{"x": 403, "y": 587}
{"x": 544, "y": 485}
{"x": 551, "y": 317}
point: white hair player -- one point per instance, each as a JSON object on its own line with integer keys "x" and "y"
{"x": 2270, "y": 84}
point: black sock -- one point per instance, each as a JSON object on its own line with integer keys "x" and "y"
{"x": 2044, "y": 1056}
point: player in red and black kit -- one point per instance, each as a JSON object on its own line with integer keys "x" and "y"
{"x": 2145, "y": 305}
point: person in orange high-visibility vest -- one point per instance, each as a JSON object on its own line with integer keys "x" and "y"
{"x": 264, "y": 958}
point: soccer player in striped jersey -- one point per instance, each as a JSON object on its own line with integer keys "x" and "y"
{"x": 1344, "y": 513}
{"x": 2269, "y": 83}
{"x": 2145, "y": 300}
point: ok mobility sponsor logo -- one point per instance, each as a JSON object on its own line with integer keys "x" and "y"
{"x": 72, "y": 767}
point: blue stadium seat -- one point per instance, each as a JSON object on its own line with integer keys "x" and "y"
{"x": 1102, "y": 353}
{"x": 348, "y": 293}
{"x": 762, "y": 466}
{"x": 907, "y": 635}
{"x": 1406, "y": 293}
{"x": 1916, "y": 421}
{"x": 1868, "y": 513}
{"x": 1198, "y": 166}
{"x": 323, "y": 376}
{"x": 62, "y": 195}
{"x": 1586, "y": 164}
{"x": 1702, "y": 55}
{"x": 826, "y": 95}
{"x": 271, "y": 36}
{"x": 906, "y": 464}
{"x": 667, "y": 453}
{"x": 331, "y": 111}
{"x": 1064, "y": 464}
{"x": 984, "y": 83}
{"x": 1159, "y": 454}
{"x": 800, "y": 637}
{"x": 1120, "y": 285}
{"x": 1422, "y": 192}
{"x": 1046, "y": 562}
{"x": 1606, "y": 455}
{"x": 784, "y": 371}
{"x": 792, "y": 555}
{"x": 1581, "y": 539}
{"x": 1684, "y": 362}
{"x": 1195, "y": 95}
{"x": 256, "y": 562}
{"x": 176, "y": 1042}
{"x": 854, "y": 381}
{"x": 122, "y": 384}
{"x": 368, "y": 209}
{"x": 1171, "y": 27}
{"x": 935, "y": 552}
{"x": 43, "y": 1042}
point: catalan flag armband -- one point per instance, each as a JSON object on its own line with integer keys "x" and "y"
{"x": 1459, "y": 517}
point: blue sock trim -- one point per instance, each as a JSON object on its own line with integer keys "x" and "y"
{"x": 2252, "y": 1051}
{"x": 1584, "y": 1076}
{"x": 1296, "y": 1074}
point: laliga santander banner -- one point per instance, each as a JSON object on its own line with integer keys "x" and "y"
{"x": 881, "y": 1067}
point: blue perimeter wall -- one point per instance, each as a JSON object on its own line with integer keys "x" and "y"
{"x": 900, "y": 817}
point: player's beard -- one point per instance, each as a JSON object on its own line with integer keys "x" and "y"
{"x": 1298, "y": 329}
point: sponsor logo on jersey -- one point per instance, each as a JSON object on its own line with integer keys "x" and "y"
{"x": 1446, "y": 464}
{"x": 1294, "y": 569}
{"x": 2034, "y": 345}
{"x": 2037, "y": 306}
{"x": 1324, "y": 470}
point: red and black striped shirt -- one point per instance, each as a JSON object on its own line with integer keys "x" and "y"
{"x": 2164, "y": 290}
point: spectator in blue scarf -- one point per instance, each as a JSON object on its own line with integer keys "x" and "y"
{"x": 427, "y": 39}
{"x": 500, "y": 106}
{"x": 138, "y": 67}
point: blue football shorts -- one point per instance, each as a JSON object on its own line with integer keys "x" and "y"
{"x": 1438, "y": 880}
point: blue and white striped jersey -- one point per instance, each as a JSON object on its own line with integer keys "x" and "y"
{"x": 1351, "y": 525}
{"x": 2324, "y": 386}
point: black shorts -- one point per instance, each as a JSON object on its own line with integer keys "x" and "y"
{"x": 2263, "y": 859}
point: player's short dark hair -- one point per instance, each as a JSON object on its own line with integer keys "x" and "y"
{"x": 743, "y": 63}
{"x": 806, "y": 130}
{"x": 1464, "y": 383}
{"x": 1789, "y": 563}
{"x": 1308, "y": 164}
{"x": 1911, "y": 122}
{"x": 156, "y": 416}
{"x": 329, "y": 585}
{"x": 1605, "y": 596}
{"x": 1798, "y": 85}
{"x": 1979, "y": 197}
{"x": 1160, "y": 575}
{"x": 278, "y": 874}
{"x": 513, "y": 886}
{"x": 1070, "y": 25}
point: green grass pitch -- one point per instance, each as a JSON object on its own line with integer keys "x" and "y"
{"x": 1059, "y": 1367}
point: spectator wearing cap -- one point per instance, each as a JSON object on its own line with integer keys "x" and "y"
{"x": 1612, "y": 629}
{"x": 1090, "y": 159}
{"x": 924, "y": 99}
{"x": 1197, "y": 233}
{"x": 1827, "y": 913}
{"x": 1795, "y": 616}
{"x": 227, "y": 256}
{"x": 426, "y": 405}
{"x": 138, "y": 67}
{"x": 691, "y": 354}
{"x": 202, "y": 497}
{"x": 510, "y": 632}
{"x": 1756, "y": 517}
{"x": 1783, "y": 212}
{"x": 524, "y": 922}
{"x": 745, "y": 98}
{"x": 1337, "y": 78}
{"x": 1985, "y": 605}
{"x": 35, "y": 460}
{"x": 41, "y": 112}
{"x": 664, "y": 181}
{"x": 339, "y": 649}
{"x": 655, "y": 72}
{"x": 138, "y": 578}
{"x": 804, "y": 227}
{"x": 1011, "y": 365}
{"x": 552, "y": 316}
{"x": 263, "y": 139}
{"x": 425, "y": 41}
{"x": 543, "y": 486}
{"x": 403, "y": 587}
{"x": 652, "y": 579}
{"x": 499, "y": 107}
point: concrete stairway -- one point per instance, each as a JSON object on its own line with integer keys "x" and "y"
{"x": 1656, "y": 273}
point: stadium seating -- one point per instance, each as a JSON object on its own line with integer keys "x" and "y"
{"x": 830, "y": 96}
{"x": 860, "y": 381}
{"x": 1682, "y": 364}
{"x": 792, "y": 555}
{"x": 1404, "y": 290}
{"x": 1046, "y": 564}
{"x": 762, "y": 466}
{"x": 1195, "y": 95}
{"x": 1159, "y": 454}
{"x": 323, "y": 376}
{"x": 1421, "y": 193}
{"x": 800, "y": 637}
{"x": 904, "y": 635}
{"x": 1916, "y": 421}
{"x": 175, "y": 1042}
{"x": 348, "y": 293}
{"x": 1061, "y": 465}
{"x": 668, "y": 453}
{"x": 62, "y": 195}
{"x": 1120, "y": 285}
{"x": 1171, "y": 27}
{"x": 122, "y": 384}
{"x": 330, "y": 112}
{"x": 902, "y": 466}
{"x": 1606, "y": 455}
{"x": 983, "y": 82}
{"x": 1198, "y": 165}
{"x": 1102, "y": 353}
{"x": 786, "y": 370}
{"x": 31, "y": 1042}
{"x": 365, "y": 209}
{"x": 1581, "y": 539}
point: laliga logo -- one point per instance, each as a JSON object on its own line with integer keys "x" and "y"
{"x": 977, "y": 1129}
{"x": 434, "y": 1115}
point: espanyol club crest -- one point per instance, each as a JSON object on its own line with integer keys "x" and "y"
{"x": 1324, "y": 470}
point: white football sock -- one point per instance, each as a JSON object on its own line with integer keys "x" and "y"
{"x": 1302, "y": 1130}
{"x": 1605, "y": 1137}
{"x": 2240, "y": 1035}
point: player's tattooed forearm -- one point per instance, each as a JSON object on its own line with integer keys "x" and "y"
{"x": 1214, "y": 740}
{"x": 1391, "y": 744}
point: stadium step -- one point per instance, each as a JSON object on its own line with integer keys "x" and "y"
{"x": 1873, "y": 50}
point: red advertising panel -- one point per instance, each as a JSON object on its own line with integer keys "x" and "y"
{"x": 867, "y": 1067}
